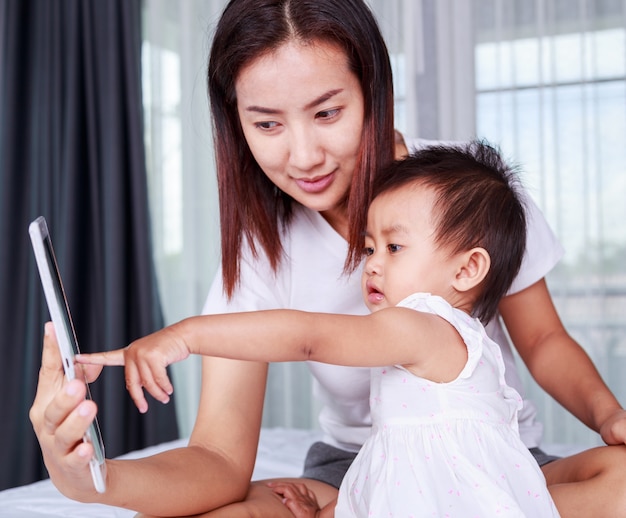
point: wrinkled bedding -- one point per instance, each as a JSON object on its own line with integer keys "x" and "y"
{"x": 281, "y": 454}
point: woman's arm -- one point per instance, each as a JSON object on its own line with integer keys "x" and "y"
{"x": 214, "y": 470}
{"x": 559, "y": 364}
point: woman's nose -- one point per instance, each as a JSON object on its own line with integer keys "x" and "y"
{"x": 305, "y": 149}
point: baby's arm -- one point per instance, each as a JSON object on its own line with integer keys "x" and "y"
{"x": 388, "y": 337}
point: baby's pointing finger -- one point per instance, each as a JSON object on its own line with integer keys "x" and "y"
{"x": 111, "y": 358}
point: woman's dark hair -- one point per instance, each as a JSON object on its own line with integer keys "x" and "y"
{"x": 250, "y": 205}
{"x": 477, "y": 204}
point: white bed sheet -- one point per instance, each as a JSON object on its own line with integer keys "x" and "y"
{"x": 281, "y": 454}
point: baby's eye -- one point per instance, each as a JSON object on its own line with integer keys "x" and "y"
{"x": 368, "y": 250}
{"x": 327, "y": 114}
{"x": 394, "y": 248}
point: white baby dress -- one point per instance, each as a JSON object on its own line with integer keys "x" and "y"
{"x": 445, "y": 449}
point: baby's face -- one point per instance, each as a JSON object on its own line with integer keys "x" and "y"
{"x": 401, "y": 257}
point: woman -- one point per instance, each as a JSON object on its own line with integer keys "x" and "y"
{"x": 302, "y": 103}
{"x": 438, "y": 394}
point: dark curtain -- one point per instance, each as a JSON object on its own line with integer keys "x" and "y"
{"x": 71, "y": 149}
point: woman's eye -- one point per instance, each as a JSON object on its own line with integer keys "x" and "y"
{"x": 394, "y": 248}
{"x": 327, "y": 114}
{"x": 266, "y": 125}
{"x": 368, "y": 250}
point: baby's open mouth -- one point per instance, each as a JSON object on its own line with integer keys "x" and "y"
{"x": 373, "y": 291}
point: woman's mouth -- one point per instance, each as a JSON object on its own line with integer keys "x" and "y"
{"x": 315, "y": 185}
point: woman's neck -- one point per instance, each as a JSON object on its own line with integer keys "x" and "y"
{"x": 338, "y": 220}
{"x": 338, "y": 217}
{"x": 400, "y": 149}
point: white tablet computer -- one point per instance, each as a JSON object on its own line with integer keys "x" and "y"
{"x": 64, "y": 328}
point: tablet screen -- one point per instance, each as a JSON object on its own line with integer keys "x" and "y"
{"x": 64, "y": 329}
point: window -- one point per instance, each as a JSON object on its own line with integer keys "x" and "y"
{"x": 550, "y": 79}
{"x": 546, "y": 81}
{"x": 181, "y": 178}
{"x": 543, "y": 79}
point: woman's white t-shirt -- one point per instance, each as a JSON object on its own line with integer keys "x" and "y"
{"x": 310, "y": 278}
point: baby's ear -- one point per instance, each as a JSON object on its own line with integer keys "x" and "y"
{"x": 473, "y": 267}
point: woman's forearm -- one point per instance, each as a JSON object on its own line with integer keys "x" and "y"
{"x": 567, "y": 373}
{"x": 179, "y": 482}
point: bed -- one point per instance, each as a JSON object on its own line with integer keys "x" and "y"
{"x": 281, "y": 453}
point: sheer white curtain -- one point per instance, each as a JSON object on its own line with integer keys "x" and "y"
{"x": 550, "y": 80}
{"x": 544, "y": 79}
{"x": 181, "y": 179}
{"x": 183, "y": 195}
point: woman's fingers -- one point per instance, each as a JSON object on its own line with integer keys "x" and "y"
{"x": 90, "y": 372}
{"x": 69, "y": 419}
{"x": 60, "y": 416}
{"x": 51, "y": 377}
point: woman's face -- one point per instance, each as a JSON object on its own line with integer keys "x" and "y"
{"x": 301, "y": 110}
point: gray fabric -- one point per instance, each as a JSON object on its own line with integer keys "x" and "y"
{"x": 327, "y": 464}
{"x": 542, "y": 457}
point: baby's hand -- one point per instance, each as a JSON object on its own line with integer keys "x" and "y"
{"x": 298, "y": 498}
{"x": 145, "y": 362}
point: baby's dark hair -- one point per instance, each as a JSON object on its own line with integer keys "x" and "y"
{"x": 478, "y": 204}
